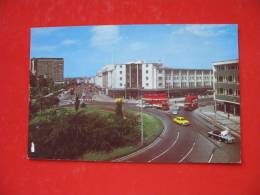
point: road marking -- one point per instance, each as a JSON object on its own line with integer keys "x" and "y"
{"x": 211, "y": 156}
{"x": 188, "y": 153}
{"x": 175, "y": 141}
{"x": 139, "y": 151}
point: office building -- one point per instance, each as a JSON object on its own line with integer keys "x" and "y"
{"x": 128, "y": 79}
{"x": 52, "y": 68}
{"x": 226, "y": 86}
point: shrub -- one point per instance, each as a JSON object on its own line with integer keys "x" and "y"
{"x": 69, "y": 135}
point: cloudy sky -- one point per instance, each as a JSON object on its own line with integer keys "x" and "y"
{"x": 86, "y": 49}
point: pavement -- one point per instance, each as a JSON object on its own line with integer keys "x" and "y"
{"x": 231, "y": 123}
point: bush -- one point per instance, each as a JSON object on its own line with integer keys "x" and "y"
{"x": 83, "y": 105}
{"x": 69, "y": 135}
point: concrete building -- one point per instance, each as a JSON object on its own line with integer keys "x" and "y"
{"x": 128, "y": 79}
{"x": 226, "y": 86}
{"x": 52, "y": 68}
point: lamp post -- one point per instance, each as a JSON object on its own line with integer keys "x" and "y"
{"x": 215, "y": 108}
{"x": 125, "y": 91}
{"x": 142, "y": 120}
{"x": 168, "y": 84}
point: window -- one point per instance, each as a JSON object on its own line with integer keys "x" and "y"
{"x": 220, "y": 91}
{"x": 230, "y": 91}
{"x": 147, "y": 78}
{"x": 120, "y": 72}
{"x": 220, "y": 79}
{"x": 120, "y": 66}
{"x": 160, "y": 84}
{"x": 147, "y": 71}
{"x": 121, "y": 84}
{"x": 147, "y": 84}
{"x": 160, "y": 78}
{"x": 160, "y": 71}
{"x": 120, "y": 78}
{"x": 238, "y": 92}
{"x": 230, "y": 78}
{"x": 146, "y": 65}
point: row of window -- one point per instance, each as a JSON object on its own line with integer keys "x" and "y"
{"x": 227, "y": 67}
{"x": 189, "y": 77}
{"x": 222, "y": 91}
{"x": 229, "y": 78}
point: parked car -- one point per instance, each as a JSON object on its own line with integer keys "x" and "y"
{"x": 224, "y": 136}
{"x": 181, "y": 121}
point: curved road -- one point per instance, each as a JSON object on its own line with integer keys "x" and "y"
{"x": 182, "y": 144}
{"x": 185, "y": 144}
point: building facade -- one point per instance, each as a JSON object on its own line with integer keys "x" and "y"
{"x": 127, "y": 79}
{"x": 227, "y": 86}
{"x": 52, "y": 68}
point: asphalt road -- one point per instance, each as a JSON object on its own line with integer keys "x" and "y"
{"x": 180, "y": 144}
{"x": 187, "y": 144}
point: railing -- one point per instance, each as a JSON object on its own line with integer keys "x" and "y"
{"x": 229, "y": 98}
{"x": 227, "y": 85}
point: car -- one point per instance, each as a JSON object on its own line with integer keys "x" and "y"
{"x": 175, "y": 110}
{"x": 224, "y": 136}
{"x": 143, "y": 105}
{"x": 181, "y": 121}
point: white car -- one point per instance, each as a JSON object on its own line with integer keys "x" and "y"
{"x": 143, "y": 105}
{"x": 224, "y": 136}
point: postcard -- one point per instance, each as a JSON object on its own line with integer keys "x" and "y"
{"x": 162, "y": 93}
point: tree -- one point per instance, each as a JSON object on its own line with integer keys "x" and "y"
{"x": 77, "y": 103}
{"x": 119, "y": 110}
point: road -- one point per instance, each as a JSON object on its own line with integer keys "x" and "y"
{"x": 186, "y": 144}
{"x": 180, "y": 144}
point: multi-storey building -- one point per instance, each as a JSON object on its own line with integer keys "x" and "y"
{"x": 52, "y": 68}
{"x": 128, "y": 79}
{"x": 226, "y": 86}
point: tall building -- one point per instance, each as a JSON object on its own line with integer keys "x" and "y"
{"x": 119, "y": 79}
{"x": 226, "y": 86}
{"x": 52, "y": 68}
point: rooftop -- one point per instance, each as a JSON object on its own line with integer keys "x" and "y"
{"x": 235, "y": 61}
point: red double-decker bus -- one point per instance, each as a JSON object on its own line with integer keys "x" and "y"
{"x": 158, "y": 100}
{"x": 191, "y": 102}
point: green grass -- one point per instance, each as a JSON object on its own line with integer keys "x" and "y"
{"x": 152, "y": 129}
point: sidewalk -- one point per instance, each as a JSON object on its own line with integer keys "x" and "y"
{"x": 232, "y": 123}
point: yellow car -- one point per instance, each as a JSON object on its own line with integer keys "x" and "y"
{"x": 181, "y": 120}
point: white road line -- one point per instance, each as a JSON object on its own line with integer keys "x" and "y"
{"x": 211, "y": 156}
{"x": 143, "y": 149}
{"x": 137, "y": 152}
{"x": 166, "y": 149}
{"x": 188, "y": 153}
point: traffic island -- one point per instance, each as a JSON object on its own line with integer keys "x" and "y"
{"x": 89, "y": 133}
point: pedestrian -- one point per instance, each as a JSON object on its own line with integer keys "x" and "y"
{"x": 228, "y": 115}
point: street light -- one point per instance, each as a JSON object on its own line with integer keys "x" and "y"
{"x": 142, "y": 119}
{"x": 125, "y": 91}
{"x": 215, "y": 108}
{"x": 168, "y": 84}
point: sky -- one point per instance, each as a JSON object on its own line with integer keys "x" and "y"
{"x": 86, "y": 49}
